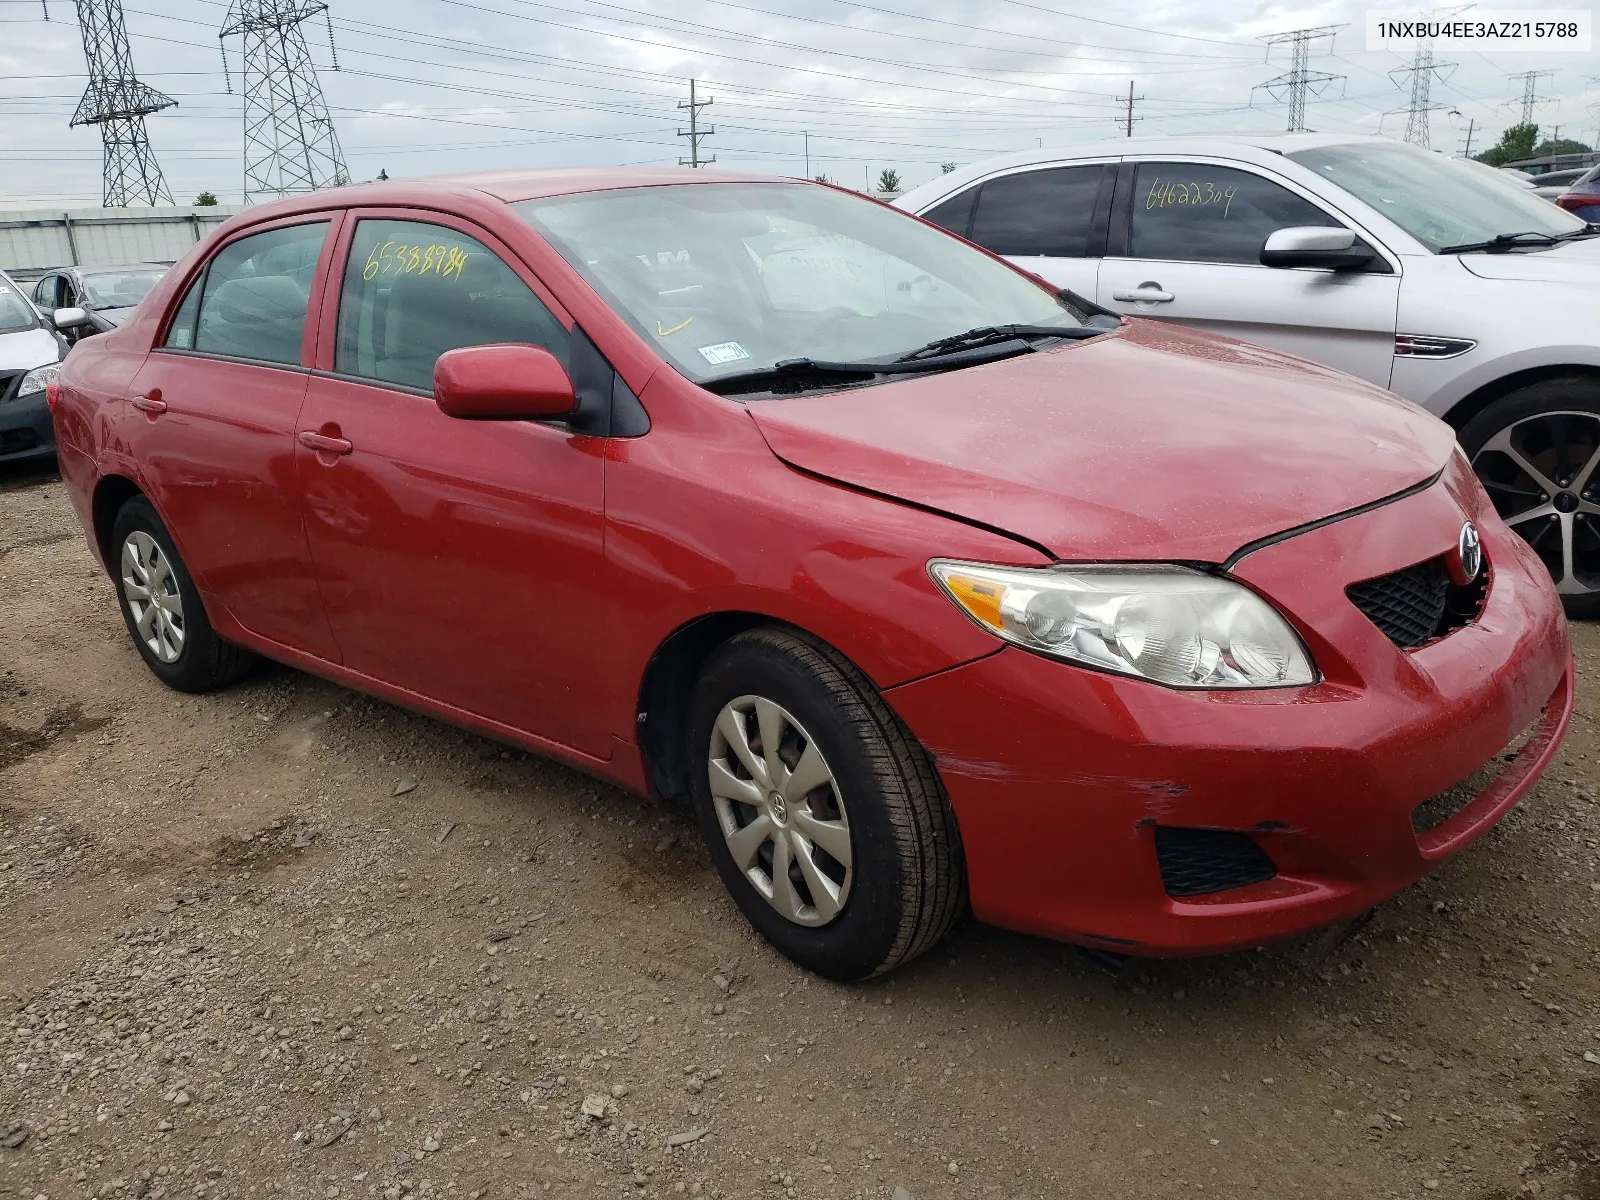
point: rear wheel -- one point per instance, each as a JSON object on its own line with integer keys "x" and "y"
{"x": 1536, "y": 451}
{"x": 824, "y": 817}
{"x": 162, "y": 608}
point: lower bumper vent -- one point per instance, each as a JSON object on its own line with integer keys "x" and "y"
{"x": 1197, "y": 862}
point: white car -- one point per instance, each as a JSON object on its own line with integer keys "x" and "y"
{"x": 1458, "y": 290}
{"x": 30, "y": 354}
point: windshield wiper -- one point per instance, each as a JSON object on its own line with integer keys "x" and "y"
{"x": 1507, "y": 241}
{"x": 987, "y": 334}
{"x": 798, "y": 370}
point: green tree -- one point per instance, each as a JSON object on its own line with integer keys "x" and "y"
{"x": 946, "y": 167}
{"x": 1561, "y": 146}
{"x": 1515, "y": 143}
{"x": 888, "y": 180}
{"x": 205, "y": 200}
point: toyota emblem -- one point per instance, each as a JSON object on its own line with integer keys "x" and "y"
{"x": 1469, "y": 552}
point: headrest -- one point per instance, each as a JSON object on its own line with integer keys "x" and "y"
{"x": 259, "y": 299}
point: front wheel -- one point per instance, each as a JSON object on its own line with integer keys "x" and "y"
{"x": 162, "y": 608}
{"x": 824, "y": 817}
{"x": 1536, "y": 451}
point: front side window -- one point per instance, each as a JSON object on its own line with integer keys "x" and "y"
{"x": 1049, "y": 213}
{"x": 256, "y": 293}
{"x": 124, "y": 289}
{"x": 45, "y": 292}
{"x": 414, "y": 290}
{"x": 724, "y": 278}
{"x": 1193, "y": 212}
{"x": 1440, "y": 202}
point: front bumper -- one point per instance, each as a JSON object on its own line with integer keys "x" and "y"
{"x": 26, "y": 430}
{"x": 1060, "y": 777}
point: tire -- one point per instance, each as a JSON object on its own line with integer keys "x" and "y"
{"x": 1552, "y": 427}
{"x": 177, "y": 642}
{"x": 896, "y": 880}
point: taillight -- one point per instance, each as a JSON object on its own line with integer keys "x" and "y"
{"x": 52, "y": 394}
{"x": 1572, "y": 203}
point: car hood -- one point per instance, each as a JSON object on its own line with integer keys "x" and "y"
{"x": 24, "y": 349}
{"x": 1149, "y": 443}
{"x": 1571, "y": 262}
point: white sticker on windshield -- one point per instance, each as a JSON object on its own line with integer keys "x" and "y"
{"x": 723, "y": 352}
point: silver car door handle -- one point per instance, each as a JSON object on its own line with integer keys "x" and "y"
{"x": 1144, "y": 294}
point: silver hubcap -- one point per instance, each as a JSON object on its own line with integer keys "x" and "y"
{"x": 1539, "y": 474}
{"x": 150, "y": 590}
{"x": 780, "y": 810}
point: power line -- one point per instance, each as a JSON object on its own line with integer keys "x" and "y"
{"x": 1422, "y": 70}
{"x": 118, "y": 103}
{"x": 289, "y": 142}
{"x": 1129, "y": 118}
{"x": 694, "y": 133}
{"x": 1299, "y": 79}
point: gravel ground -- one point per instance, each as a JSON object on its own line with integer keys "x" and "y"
{"x": 287, "y": 940}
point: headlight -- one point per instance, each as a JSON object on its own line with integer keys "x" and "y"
{"x": 35, "y": 379}
{"x": 1170, "y": 625}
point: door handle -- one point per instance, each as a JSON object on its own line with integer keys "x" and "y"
{"x": 1145, "y": 293}
{"x": 324, "y": 444}
{"x": 151, "y": 403}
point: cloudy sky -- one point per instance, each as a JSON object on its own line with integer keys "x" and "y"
{"x": 426, "y": 86}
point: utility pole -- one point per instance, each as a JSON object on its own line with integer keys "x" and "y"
{"x": 694, "y": 133}
{"x": 1129, "y": 119}
{"x": 808, "y": 153}
{"x": 1530, "y": 92}
{"x": 118, "y": 102}
{"x": 1422, "y": 70}
{"x": 289, "y": 143}
{"x": 1299, "y": 80}
{"x": 1471, "y": 124}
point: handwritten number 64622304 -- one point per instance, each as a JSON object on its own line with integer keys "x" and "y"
{"x": 1196, "y": 194}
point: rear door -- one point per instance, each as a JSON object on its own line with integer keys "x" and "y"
{"x": 460, "y": 560}
{"x": 1185, "y": 246}
{"x": 213, "y": 420}
{"x": 1047, "y": 220}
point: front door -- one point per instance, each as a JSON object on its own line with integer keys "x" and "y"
{"x": 216, "y": 406}
{"x": 1186, "y": 247}
{"x": 460, "y": 560}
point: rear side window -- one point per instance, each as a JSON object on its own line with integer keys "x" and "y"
{"x": 413, "y": 290}
{"x": 1048, "y": 213}
{"x": 954, "y": 214}
{"x": 255, "y": 295}
{"x": 1191, "y": 212}
{"x": 180, "y": 334}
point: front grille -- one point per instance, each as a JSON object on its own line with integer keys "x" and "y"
{"x": 1196, "y": 862}
{"x": 1415, "y": 605}
{"x": 10, "y": 381}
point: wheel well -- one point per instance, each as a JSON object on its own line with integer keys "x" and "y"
{"x": 110, "y": 494}
{"x": 663, "y": 712}
{"x": 1474, "y": 403}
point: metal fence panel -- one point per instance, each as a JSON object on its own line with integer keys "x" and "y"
{"x": 36, "y": 240}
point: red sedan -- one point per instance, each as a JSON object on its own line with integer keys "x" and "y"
{"x": 923, "y": 583}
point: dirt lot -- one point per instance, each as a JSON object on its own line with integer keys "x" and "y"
{"x": 234, "y": 961}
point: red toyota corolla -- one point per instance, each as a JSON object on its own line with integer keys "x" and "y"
{"x": 918, "y": 580}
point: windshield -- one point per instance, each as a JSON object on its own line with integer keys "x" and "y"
{"x": 726, "y": 277}
{"x": 15, "y": 311}
{"x": 1438, "y": 201}
{"x": 120, "y": 289}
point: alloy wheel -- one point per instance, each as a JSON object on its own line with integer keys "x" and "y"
{"x": 1540, "y": 474}
{"x": 780, "y": 810}
{"x": 150, "y": 590}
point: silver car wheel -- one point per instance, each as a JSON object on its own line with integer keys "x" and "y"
{"x": 150, "y": 590}
{"x": 1539, "y": 473}
{"x": 780, "y": 810}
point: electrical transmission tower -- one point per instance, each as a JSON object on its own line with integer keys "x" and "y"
{"x": 289, "y": 142}
{"x": 116, "y": 101}
{"x": 1422, "y": 70}
{"x": 1530, "y": 93}
{"x": 1299, "y": 79}
{"x": 694, "y": 133}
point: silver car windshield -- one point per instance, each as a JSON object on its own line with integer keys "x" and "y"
{"x": 120, "y": 289}
{"x": 15, "y": 311}
{"x": 725, "y": 277}
{"x": 1438, "y": 201}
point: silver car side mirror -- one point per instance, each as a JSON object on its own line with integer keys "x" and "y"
{"x": 1329, "y": 247}
{"x": 69, "y": 318}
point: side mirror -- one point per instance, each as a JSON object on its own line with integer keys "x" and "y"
{"x": 1315, "y": 246}
{"x": 69, "y": 318}
{"x": 505, "y": 382}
